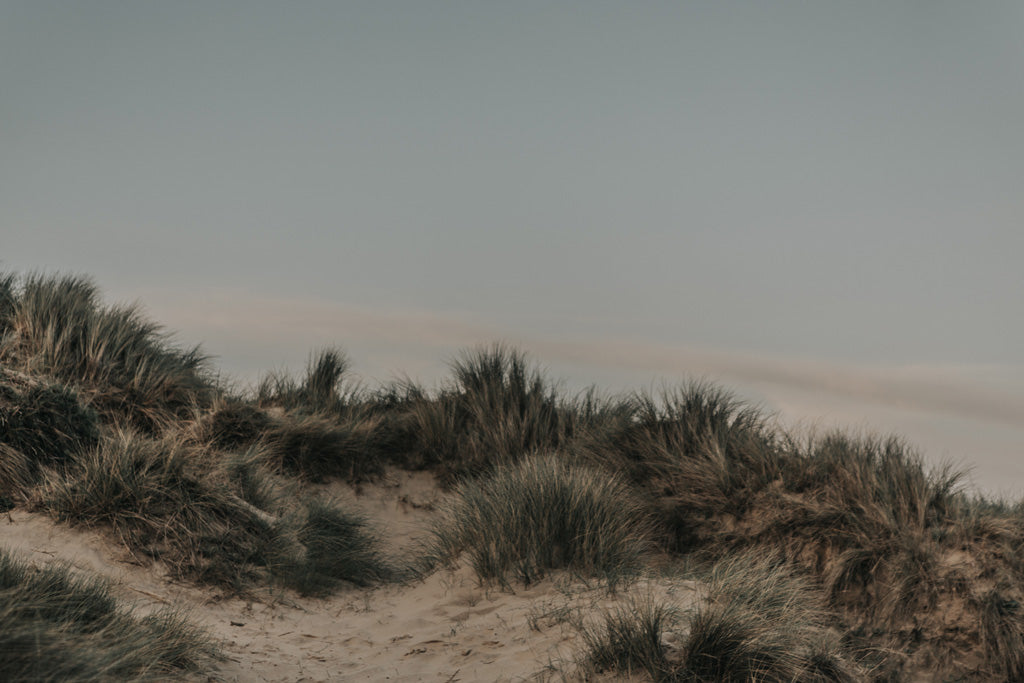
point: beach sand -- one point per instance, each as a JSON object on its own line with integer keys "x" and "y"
{"x": 446, "y": 627}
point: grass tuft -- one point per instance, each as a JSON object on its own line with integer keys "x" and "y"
{"x": 762, "y": 622}
{"x": 338, "y": 548}
{"x": 47, "y": 423}
{"x": 154, "y": 494}
{"x": 541, "y": 514}
{"x": 57, "y": 326}
{"x": 498, "y": 408}
{"x": 631, "y": 640}
{"x": 59, "y": 625}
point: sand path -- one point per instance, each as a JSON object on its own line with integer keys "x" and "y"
{"x": 444, "y": 628}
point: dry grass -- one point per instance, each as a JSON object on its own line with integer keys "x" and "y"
{"x": 127, "y": 430}
{"x": 757, "y": 621}
{"x": 230, "y": 523}
{"x": 57, "y": 326}
{"x": 540, "y": 514}
{"x": 60, "y": 626}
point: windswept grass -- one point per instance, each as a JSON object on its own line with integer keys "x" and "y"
{"x": 323, "y": 390}
{"x": 498, "y": 408}
{"x": 757, "y": 621}
{"x": 541, "y": 514}
{"x": 631, "y": 640}
{"x": 311, "y": 446}
{"x": 59, "y": 626}
{"x": 762, "y": 622}
{"x": 231, "y": 526}
{"x": 156, "y": 497}
{"x": 104, "y": 421}
{"x": 46, "y": 423}
{"x": 338, "y": 547}
{"x": 57, "y": 326}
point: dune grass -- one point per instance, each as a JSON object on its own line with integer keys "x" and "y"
{"x": 337, "y": 547}
{"x": 631, "y": 640}
{"x": 105, "y": 421}
{"x": 46, "y": 422}
{"x": 58, "y": 625}
{"x": 540, "y": 514}
{"x": 229, "y": 524}
{"x": 757, "y": 621}
{"x": 57, "y": 326}
{"x": 497, "y": 408}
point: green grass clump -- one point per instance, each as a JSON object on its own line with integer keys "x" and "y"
{"x": 57, "y": 326}
{"x": 541, "y": 514}
{"x": 58, "y": 625}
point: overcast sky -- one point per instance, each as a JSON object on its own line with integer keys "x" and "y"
{"x": 819, "y": 205}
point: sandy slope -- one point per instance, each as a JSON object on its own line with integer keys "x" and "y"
{"x": 445, "y": 628}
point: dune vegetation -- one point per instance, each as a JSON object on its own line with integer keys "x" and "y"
{"x": 826, "y": 557}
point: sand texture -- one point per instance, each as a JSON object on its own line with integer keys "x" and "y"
{"x": 446, "y": 627}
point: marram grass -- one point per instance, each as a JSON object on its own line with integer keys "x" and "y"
{"x": 542, "y": 513}
{"x": 59, "y": 625}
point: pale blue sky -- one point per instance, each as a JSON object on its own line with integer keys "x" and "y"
{"x": 817, "y": 203}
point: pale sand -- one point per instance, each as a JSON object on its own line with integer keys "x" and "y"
{"x": 445, "y": 628}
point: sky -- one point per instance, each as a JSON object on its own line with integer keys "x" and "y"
{"x": 817, "y": 205}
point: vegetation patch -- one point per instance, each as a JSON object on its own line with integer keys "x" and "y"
{"x": 57, "y": 326}
{"x": 229, "y": 526}
{"x": 59, "y": 625}
{"x": 46, "y": 423}
{"x": 757, "y": 621}
{"x": 337, "y": 547}
{"x": 541, "y": 514}
{"x": 104, "y": 421}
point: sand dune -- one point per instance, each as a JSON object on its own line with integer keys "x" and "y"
{"x": 444, "y": 628}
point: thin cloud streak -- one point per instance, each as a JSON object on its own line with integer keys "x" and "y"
{"x": 983, "y": 393}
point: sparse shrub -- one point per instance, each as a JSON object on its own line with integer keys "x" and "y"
{"x": 541, "y": 514}
{"x": 58, "y": 625}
